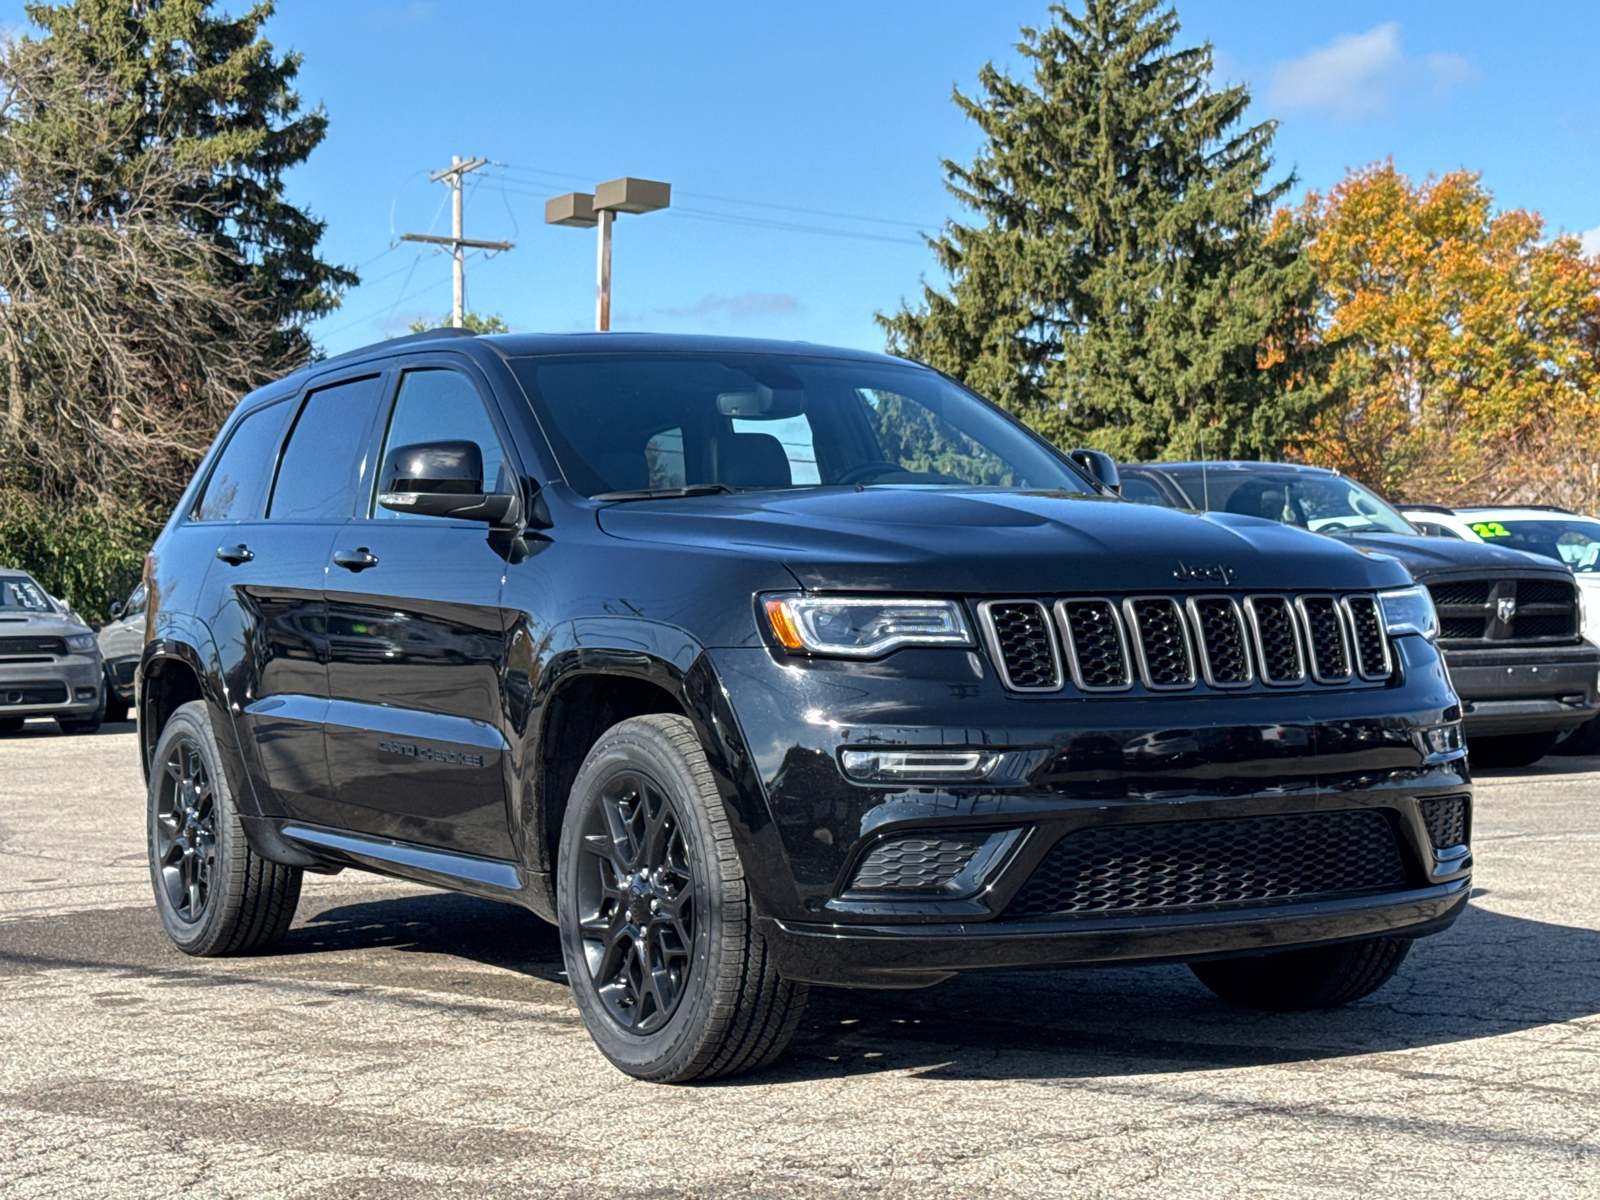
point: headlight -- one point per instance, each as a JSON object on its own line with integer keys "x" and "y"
{"x": 80, "y": 643}
{"x": 859, "y": 628}
{"x": 1409, "y": 610}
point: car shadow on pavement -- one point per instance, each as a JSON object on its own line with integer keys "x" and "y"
{"x": 1490, "y": 974}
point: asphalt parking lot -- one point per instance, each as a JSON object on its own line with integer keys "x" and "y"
{"x": 407, "y": 1043}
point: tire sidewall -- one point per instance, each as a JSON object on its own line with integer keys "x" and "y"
{"x": 644, "y": 750}
{"x": 190, "y": 722}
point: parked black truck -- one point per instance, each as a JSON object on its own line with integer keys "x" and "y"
{"x": 1510, "y": 623}
{"x": 754, "y": 665}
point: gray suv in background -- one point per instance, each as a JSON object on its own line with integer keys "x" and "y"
{"x": 121, "y": 643}
{"x": 50, "y": 662}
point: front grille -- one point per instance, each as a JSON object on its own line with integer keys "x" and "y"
{"x": 10, "y": 646}
{"x": 1330, "y": 660}
{"x": 1185, "y": 864}
{"x": 32, "y": 693}
{"x": 1277, "y": 640}
{"x": 1446, "y": 819}
{"x": 1171, "y": 644}
{"x": 1162, "y": 641}
{"x": 1474, "y": 610}
{"x": 1469, "y": 591}
{"x": 1023, "y": 644}
{"x": 1542, "y": 627}
{"x": 915, "y": 864}
{"x": 1367, "y": 640}
{"x": 1224, "y": 649}
{"x": 1096, "y": 650}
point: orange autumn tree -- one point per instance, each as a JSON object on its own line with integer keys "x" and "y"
{"x": 1468, "y": 368}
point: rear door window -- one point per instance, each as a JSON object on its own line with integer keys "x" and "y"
{"x": 238, "y": 483}
{"x": 317, "y": 478}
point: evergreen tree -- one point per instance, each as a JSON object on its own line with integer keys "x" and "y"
{"x": 1125, "y": 285}
{"x": 209, "y": 91}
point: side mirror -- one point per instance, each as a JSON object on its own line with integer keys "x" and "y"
{"x": 1102, "y": 468}
{"x": 443, "y": 479}
{"x": 116, "y": 610}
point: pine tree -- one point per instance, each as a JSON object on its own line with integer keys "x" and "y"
{"x": 1125, "y": 285}
{"x": 211, "y": 92}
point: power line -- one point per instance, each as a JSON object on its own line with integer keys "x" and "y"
{"x": 453, "y": 175}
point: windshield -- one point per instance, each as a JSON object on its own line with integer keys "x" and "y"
{"x": 24, "y": 595}
{"x": 756, "y": 421}
{"x": 1324, "y": 503}
{"x": 1570, "y": 540}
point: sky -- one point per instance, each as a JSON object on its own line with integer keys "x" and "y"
{"x": 804, "y": 142}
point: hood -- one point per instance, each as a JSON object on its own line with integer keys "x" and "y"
{"x": 20, "y": 624}
{"x": 1427, "y": 557}
{"x": 981, "y": 542}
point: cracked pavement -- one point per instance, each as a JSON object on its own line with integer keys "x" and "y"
{"x": 409, "y": 1043}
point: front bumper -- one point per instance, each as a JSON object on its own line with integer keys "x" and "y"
{"x": 898, "y": 956}
{"x": 1526, "y": 689}
{"x": 67, "y": 686}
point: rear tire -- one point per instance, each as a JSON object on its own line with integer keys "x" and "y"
{"x": 667, "y": 964}
{"x": 1321, "y": 977}
{"x": 1585, "y": 739}
{"x": 116, "y": 706}
{"x": 214, "y": 893}
{"x": 1510, "y": 750}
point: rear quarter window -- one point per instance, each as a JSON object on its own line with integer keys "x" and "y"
{"x": 237, "y": 485}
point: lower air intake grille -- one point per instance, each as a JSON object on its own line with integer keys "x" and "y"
{"x": 1325, "y": 632}
{"x": 1163, "y": 645}
{"x": 915, "y": 864}
{"x": 1094, "y": 642}
{"x": 32, "y": 693}
{"x": 1182, "y": 864}
{"x": 1024, "y": 644}
{"x": 1446, "y": 819}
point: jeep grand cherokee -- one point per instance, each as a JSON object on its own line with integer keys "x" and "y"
{"x": 753, "y": 665}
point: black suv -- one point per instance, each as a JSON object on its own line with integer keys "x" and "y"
{"x": 753, "y": 665}
{"x": 1510, "y": 623}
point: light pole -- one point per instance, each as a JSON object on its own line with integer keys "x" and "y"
{"x": 600, "y": 207}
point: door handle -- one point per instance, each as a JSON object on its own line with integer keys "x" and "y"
{"x": 355, "y": 560}
{"x": 234, "y": 555}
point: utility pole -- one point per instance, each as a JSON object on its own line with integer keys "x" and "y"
{"x": 458, "y": 244}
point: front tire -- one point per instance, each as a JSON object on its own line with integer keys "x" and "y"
{"x": 1585, "y": 739}
{"x": 10, "y": 724}
{"x": 89, "y": 724}
{"x": 1510, "y": 750}
{"x": 215, "y": 895}
{"x": 1321, "y": 977}
{"x": 667, "y": 965}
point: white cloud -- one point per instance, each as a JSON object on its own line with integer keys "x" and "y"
{"x": 1591, "y": 242}
{"x": 750, "y": 304}
{"x": 1360, "y": 75}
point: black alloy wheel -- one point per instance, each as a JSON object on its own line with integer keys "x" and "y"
{"x": 214, "y": 893}
{"x": 636, "y": 902}
{"x": 185, "y": 830}
{"x": 667, "y": 961}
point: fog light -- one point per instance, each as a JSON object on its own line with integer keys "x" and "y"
{"x": 85, "y": 693}
{"x": 1444, "y": 739}
{"x": 936, "y": 765}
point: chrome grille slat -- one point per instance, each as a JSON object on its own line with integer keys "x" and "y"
{"x": 1096, "y": 644}
{"x": 1161, "y": 642}
{"x": 1370, "y": 647}
{"x": 1221, "y": 641}
{"x": 1326, "y": 638}
{"x": 1022, "y": 644}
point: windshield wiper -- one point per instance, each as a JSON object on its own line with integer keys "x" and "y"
{"x": 694, "y": 489}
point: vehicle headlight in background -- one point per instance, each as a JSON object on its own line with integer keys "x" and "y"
{"x": 864, "y": 628}
{"x": 80, "y": 643}
{"x": 1409, "y": 610}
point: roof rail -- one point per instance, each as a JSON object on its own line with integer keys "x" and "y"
{"x": 427, "y": 335}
